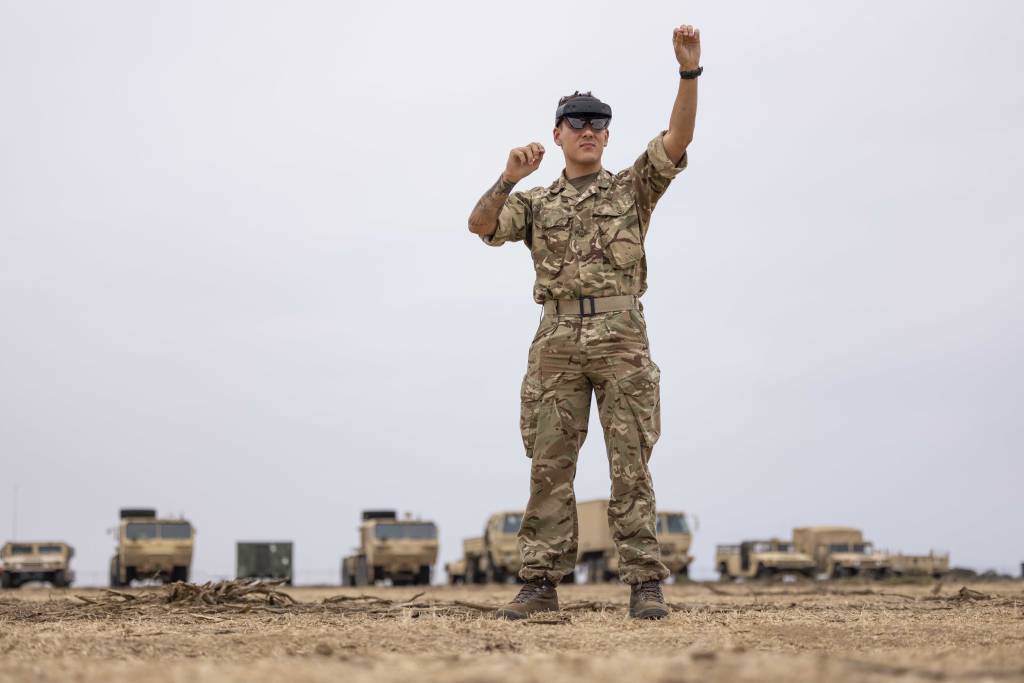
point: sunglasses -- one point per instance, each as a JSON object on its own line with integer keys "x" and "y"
{"x": 578, "y": 122}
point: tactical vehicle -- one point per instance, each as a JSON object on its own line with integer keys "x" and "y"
{"x": 598, "y": 558}
{"x": 761, "y": 560}
{"x": 149, "y": 547}
{"x": 933, "y": 564}
{"x": 840, "y": 551}
{"x": 264, "y": 560}
{"x": 25, "y": 561}
{"x": 402, "y": 551}
{"x": 493, "y": 557}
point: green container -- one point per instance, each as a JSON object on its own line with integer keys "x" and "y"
{"x": 264, "y": 560}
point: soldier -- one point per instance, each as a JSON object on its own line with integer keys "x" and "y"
{"x": 586, "y": 234}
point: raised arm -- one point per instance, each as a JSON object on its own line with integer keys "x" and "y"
{"x": 522, "y": 161}
{"x": 686, "y": 41}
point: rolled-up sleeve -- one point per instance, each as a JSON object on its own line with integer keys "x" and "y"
{"x": 514, "y": 220}
{"x": 653, "y": 171}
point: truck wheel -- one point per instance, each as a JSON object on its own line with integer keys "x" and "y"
{"x": 115, "y": 572}
{"x": 5, "y": 581}
{"x": 57, "y": 579}
{"x": 179, "y": 574}
{"x": 423, "y": 578}
{"x": 810, "y": 573}
{"x": 683, "y": 574}
{"x": 362, "y": 577}
{"x": 723, "y": 573}
{"x": 762, "y": 572}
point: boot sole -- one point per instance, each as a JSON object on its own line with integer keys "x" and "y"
{"x": 650, "y": 613}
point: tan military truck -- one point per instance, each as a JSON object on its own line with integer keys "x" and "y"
{"x": 149, "y": 547}
{"x": 493, "y": 557}
{"x": 935, "y": 565}
{"x": 762, "y": 559}
{"x": 598, "y": 558}
{"x": 402, "y": 551}
{"x": 840, "y": 551}
{"x": 25, "y": 561}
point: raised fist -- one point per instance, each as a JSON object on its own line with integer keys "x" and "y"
{"x": 686, "y": 41}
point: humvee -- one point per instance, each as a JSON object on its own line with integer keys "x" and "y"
{"x": 761, "y": 560}
{"x": 840, "y": 551}
{"x": 493, "y": 556}
{"x": 25, "y": 561}
{"x": 933, "y": 564}
{"x": 598, "y": 557}
{"x": 150, "y": 548}
{"x": 402, "y": 551}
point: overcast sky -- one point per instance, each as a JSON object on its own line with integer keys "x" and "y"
{"x": 236, "y": 280}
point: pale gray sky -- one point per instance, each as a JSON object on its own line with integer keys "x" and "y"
{"x": 236, "y": 280}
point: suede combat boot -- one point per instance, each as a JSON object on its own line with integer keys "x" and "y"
{"x": 536, "y": 595}
{"x": 646, "y": 600}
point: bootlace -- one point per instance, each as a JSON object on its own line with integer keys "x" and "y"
{"x": 530, "y": 590}
{"x": 650, "y": 590}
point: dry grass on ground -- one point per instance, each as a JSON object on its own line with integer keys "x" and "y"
{"x": 779, "y": 632}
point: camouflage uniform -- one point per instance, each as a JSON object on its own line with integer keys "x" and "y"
{"x": 584, "y": 244}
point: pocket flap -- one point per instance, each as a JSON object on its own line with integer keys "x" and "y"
{"x": 641, "y": 381}
{"x": 616, "y": 206}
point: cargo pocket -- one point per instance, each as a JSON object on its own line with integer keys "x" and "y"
{"x": 528, "y": 412}
{"x": 620, "y": 231}
{"x": 641, "y": 392}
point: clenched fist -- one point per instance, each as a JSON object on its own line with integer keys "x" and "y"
{"x": 686, "y": 41}
{"x": 522, "y": 161}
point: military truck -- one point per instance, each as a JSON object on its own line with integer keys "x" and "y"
{"x": 840, "y": 551}
{"x": 598, "y": 558}
{"x": 762, "y": 559}
{"x": 493, "y": 557}
{"x": 264, "y": 560}
{"x": 25, "y": 561}
{"x": 933, "y": 564}
{"x": 402, "y": 551}
{"x": 149, "y": 547}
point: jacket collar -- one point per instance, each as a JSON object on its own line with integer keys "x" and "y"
{"x": 604, "y": 181}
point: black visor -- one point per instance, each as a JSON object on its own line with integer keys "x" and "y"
{"x": 584, "y": 107}
{"x": 596, "y": 122}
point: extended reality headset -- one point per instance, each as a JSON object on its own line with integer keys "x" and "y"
{"x": 582, "y": 109}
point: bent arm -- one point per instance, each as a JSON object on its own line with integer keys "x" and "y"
{"x": 484, "y": 218}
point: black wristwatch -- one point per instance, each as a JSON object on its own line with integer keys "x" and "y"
{"x": 690, "y": 75}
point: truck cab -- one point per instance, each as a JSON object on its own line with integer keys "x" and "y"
{"x": 151, "y": 547}
{"x": 402, "y": 551}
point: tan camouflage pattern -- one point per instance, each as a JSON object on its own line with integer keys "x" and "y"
{"x": 589, "y": 243}
{"x": 570, "y": 357}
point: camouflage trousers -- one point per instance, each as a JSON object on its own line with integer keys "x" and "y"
{"x": 570, "y": 357}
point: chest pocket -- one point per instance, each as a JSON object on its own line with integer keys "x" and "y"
{"x": 619, "y": 227}
{"x": 550, "y": 242}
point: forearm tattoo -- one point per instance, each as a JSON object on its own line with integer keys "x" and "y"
{"x": 485, "y": 213}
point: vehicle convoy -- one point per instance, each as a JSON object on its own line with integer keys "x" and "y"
{"x": 25, "y": 561}
{"x": 493, "y": 557}
{"x": 149, "y": 547}
{"x": 933, "y": 564}
{"x": 840, "y": 551}
{"x": 598, "y": 558}
{"x": 264, "y": 560}
{"x": 762, "y": 560}
{"x": 402, "y": 551}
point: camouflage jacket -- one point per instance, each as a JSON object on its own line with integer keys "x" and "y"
{"x": 589, "y": 243}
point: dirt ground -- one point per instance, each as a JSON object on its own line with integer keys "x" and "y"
{"x": 844, "y": 631}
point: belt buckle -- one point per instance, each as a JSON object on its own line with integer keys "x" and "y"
{"x": 593, "y": 307}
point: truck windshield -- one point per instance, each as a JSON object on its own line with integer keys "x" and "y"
{"x": 51, "y": 549}
{"x": 850, "y": 547}
{"x": 784, "y": 547}
{"x": 512, "y": 524}
{"x": 676, "y": 524}
{"x": 415, "y": 531}
{"x": 21, "y": 550}
{"x": 140, "y": 530}
{"x": 179, "y": 530}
